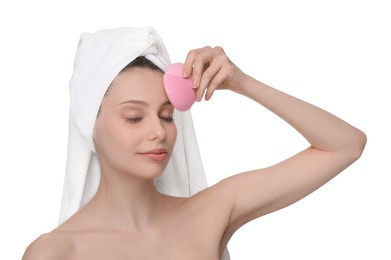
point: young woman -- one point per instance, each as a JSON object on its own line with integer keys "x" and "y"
{"x": 134, "y": 135}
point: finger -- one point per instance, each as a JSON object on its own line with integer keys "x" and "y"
{"x": 202, "y": 59}
{"x": 225, "y": 73}
{"x": 189, "y": 61}
{"x": 215, "y": 83}
{"x": 209, "y": 76}
{"x": 205, "y": 78}
{"x": 199, "y": 94}
{"x": 188, "y": 64}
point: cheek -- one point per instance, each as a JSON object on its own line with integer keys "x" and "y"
{"x": 124, "y": 136}
{"x": 112, "y": 137}
{"x": 171, "y": 133}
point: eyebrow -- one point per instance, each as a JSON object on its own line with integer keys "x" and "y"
{"x": 143, "y": 103}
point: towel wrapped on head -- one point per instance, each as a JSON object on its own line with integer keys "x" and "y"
{"x": 99, "y": 58}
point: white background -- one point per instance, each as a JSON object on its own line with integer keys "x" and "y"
{"x": 335, "y": 54}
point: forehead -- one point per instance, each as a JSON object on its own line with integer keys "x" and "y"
{"x": 137, "y": 83}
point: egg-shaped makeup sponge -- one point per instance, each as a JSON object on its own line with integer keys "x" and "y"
{"x": 179, "y": 90}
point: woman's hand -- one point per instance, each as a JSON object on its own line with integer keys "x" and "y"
{"x": 211, "y": 69}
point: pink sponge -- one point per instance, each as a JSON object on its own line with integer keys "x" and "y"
{"x": 179, "y": 90}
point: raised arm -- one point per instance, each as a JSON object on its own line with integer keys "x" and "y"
{"x": 333, "y": 143}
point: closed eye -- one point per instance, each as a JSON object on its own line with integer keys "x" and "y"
{"x": 167, "y": 119}
{"x": 134, "y": 120}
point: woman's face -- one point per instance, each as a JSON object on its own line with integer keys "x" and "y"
{"x": 134, "y": 132}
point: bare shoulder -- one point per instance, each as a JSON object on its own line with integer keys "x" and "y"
{"x": 53, "y": 245}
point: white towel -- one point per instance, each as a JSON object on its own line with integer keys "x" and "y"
{"x": 99, "y": 58}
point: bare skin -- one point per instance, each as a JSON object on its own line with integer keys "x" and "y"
{"x": 129, "y": 219}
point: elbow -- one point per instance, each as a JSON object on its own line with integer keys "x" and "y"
{"x": 358, "y": 144}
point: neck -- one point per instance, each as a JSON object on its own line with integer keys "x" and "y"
{"x": 127, "y": 202}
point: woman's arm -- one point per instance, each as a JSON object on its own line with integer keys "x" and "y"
{"x": 333, "y": 143}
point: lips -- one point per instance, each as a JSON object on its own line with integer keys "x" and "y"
{"x": 155, "y": 154}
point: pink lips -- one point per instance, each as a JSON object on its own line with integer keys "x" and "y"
{"x": 156, "y": 154}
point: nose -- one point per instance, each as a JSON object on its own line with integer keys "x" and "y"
{"x": 157, "y": 130}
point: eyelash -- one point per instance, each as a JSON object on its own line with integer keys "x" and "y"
{"x": 168, "y": 119}
{"x": 138, "y": 119}
{"x": 134, "y": 120}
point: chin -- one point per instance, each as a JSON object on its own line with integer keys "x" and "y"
{"x": 151, "y": 173}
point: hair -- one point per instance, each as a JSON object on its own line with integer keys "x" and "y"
{"x": 139, "y": 62}
{"x": 142, "y": 62}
